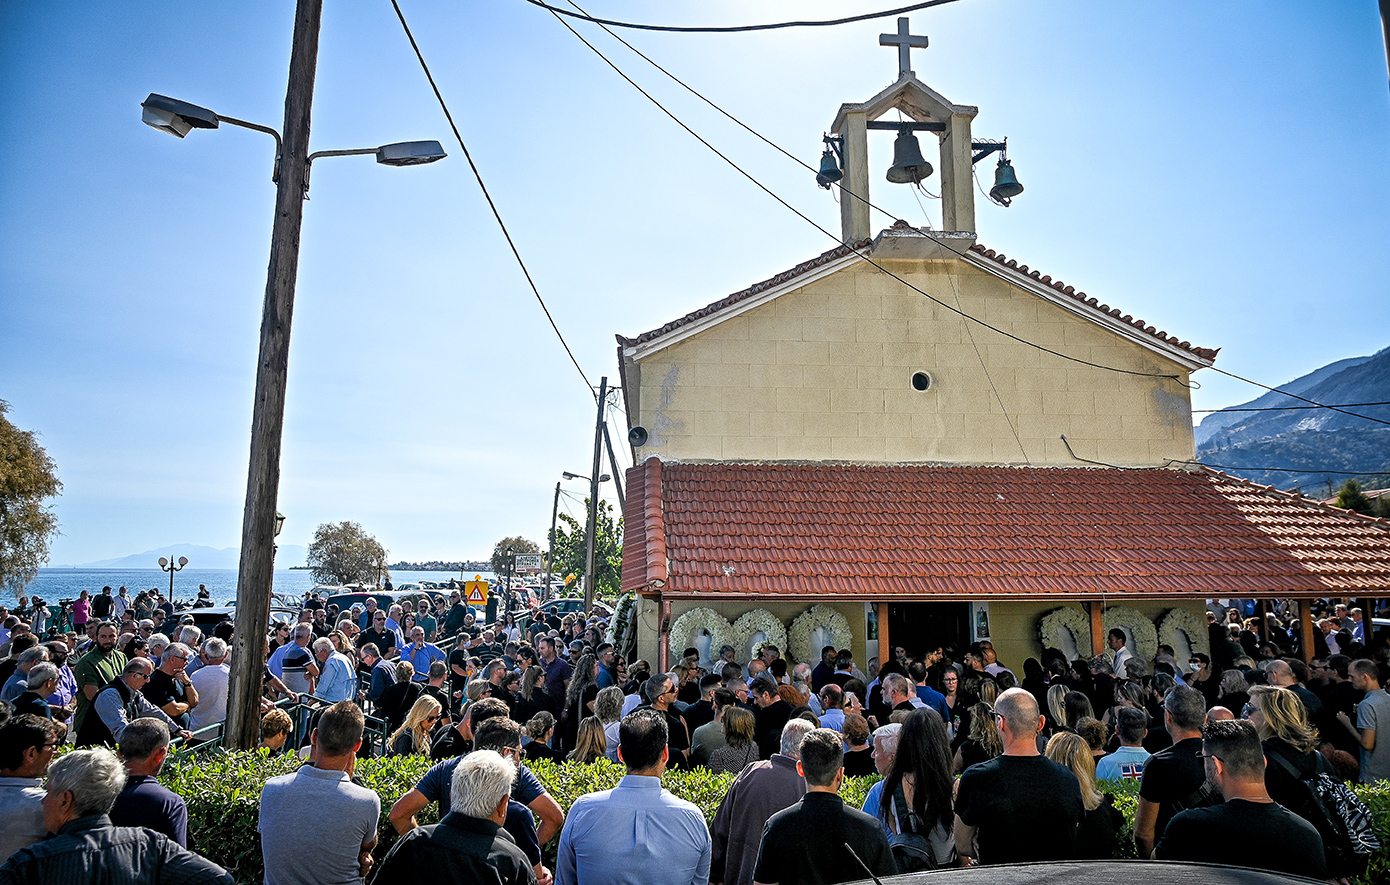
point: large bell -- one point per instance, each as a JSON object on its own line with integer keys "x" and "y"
{"x": 1006, "y": 185}
{"x": 829, "y": 169}
{"x": 909, "y": 167}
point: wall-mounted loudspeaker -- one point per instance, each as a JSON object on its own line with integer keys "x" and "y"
{"x": 637, "y": 436}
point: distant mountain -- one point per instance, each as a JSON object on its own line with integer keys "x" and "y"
{"x": 1308, "y": 441}
{"x": 200, "y": 557}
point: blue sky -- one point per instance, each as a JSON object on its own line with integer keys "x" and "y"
{"x": 1217, "y": 169}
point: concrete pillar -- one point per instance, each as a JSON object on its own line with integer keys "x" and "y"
{"x": 854, "y": 198}
{"x": 1097, "y": 611}
{"x": 957, "y": 185}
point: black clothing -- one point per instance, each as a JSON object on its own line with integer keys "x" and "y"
{"x": 1025, "y": 808}
{"x": 395, "y": 703}
{"x": 33, "y": 704}
{"x": 164, "y": 689}
{"x": 821, "y": 675}
{"x": 697, "y": 714}
{"x": 449, "y": 744}
{"x": 458, "y": 657}
{"x": 806, "y": 844}
{"x": 457, "y": 849}
{"x": 972, "y": 752}
{"x": 767, "y": 727}
{"x": 537, "y": 751}
{"x": 689, "y": 693}
{"x": 101, "y": 605}
{"x": 859, "y": 763}
{"x": 525, "y": 709}
{"x": 1171, "y": 776}
{"x": 144, "y": 802}
{"x": 1283, "y": 787}
{"x": 1099, "y": 832}
{"x": 383, "y": 639}
{"x": 1268, "y": 837}
{"x": 1209, "y": 688}
{"x": 1311, "y": 704}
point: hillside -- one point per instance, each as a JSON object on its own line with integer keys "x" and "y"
{"x": 200, "y": 557}
{"x": 1308, "y": 441}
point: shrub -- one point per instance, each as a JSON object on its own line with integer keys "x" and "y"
{"x": 224, "y": 790}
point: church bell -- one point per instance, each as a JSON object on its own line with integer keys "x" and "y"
{"x": 909, "y": 167}
{"x": 829, "y": 169}
{"x": 1006, "y": 185}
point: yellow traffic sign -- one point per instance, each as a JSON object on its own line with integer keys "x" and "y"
{"x": 476, "y": 592}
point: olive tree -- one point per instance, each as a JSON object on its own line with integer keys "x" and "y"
{"x": 27, "y": 480}
{"x": 343, "y": 553}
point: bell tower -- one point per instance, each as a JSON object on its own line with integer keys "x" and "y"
{"x": 927, "y": 111}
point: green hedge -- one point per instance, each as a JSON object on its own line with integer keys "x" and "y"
{"x": 223, "y": 793}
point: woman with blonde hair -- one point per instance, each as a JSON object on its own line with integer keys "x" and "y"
{"x": 1290, "y": 743}
{"x": 740, "y": 749}
{"x": 1101, "y": 822}
{"x": 1056, "y": 707}
{"x": 589, "y": 745}
{"x": 414, "y": 734}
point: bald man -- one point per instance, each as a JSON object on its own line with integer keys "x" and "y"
{"x": 1022, "y": 806}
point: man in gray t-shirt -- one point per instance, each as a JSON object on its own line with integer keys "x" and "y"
{"x": 1372, "y": 727}
{"x": 316, "y": 825}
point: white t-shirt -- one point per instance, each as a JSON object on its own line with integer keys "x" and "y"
{"x": 211, "y": 683}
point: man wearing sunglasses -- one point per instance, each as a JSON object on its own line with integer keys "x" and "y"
{"x": 26, "y": 749}
{"x": 121, "y": 703}
{"x": 379, "y": 635}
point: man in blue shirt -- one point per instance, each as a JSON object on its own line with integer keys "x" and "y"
{"x": 421, "y": 654}
{"x": 620, "y": 836}
{"x": 339, "y": 679}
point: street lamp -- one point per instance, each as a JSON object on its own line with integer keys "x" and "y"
{"x": 168, "y": 565}
{"x": 255, "y": 574}
{"x": 554, "y": 514}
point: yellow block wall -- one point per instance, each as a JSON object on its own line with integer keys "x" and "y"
{"x": 824, "y": 373}
{"x": 1015, "y": 624}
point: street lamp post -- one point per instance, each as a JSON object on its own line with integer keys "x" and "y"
{"x": 255, "y": 574}
{"x": 170, "y": 566}
{"x": 588, "y": 532}
{"x": 507, "y": 593}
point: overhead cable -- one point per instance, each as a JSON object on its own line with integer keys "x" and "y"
{"x": 738, "y": 29}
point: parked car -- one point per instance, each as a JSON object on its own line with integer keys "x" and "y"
{"x": 384, "y": 599}
{"x": 207, "y": 618}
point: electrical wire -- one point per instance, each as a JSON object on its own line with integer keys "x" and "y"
{"x": 603, "y": 23}
{"x": 1382, "y": 472}
{"x": 1302, "y": 398}
{"x": 1286, "y": 408}
{"x": 491, "y": 205}
{"x": 863, "y": 255}
{"x": 738, "y": 29}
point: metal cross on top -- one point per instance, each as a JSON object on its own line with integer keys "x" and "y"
{"x": 905, "y": 43}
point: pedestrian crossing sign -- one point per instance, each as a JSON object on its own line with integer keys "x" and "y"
{"x": 476, "y": 592}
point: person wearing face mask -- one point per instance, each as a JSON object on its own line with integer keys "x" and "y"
{"x": 1202, "y": 677}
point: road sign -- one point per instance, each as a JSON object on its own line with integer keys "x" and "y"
{"x": 475, "y": 592}
{"x": 531, "y": 561}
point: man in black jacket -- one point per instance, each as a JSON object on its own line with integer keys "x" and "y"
{"x": 772, "y": 714}
{"x": 469, "y": 844}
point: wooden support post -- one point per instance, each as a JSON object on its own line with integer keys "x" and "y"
{"x": 255, "y": 574}
{"x": 1305, "y": 617}
{"x": 885, "y": 646}
{"x": 1260, "y": 628}
{"x": 1097, "y": 608}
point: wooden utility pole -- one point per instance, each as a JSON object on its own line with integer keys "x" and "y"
{"x": 550, "y": 548}
{"x": 589, "y": 575}
{"x": 256, "y": 572}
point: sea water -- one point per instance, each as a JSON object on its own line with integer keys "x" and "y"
{"x": 54, "y": 584}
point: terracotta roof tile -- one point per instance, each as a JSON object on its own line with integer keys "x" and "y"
{"x": 918, "y": 531}
{"x": 1206, "y": 353}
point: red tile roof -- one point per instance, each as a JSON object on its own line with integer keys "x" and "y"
{"x": 839, "y": 252}
{"x": 1206, "y": 353}
{"x": 999, "y": 532}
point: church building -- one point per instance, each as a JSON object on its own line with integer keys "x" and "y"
{"x": 913, "y": 439}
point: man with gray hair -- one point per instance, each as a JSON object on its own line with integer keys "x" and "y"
{"x": 170, "y": 687}
{"x": 339, "y": 679}
{"x": 1174, "y": 778}
{"x": 85, "y": 847}
{"x": 469, "y": 844}
{"x": 761, "y": 790}
{"x": 121, "y": 703}
{"x": 211, "y": 682}
{"x": 885, "y": 750}
{"x": 144, "y": 802}
{"x": 1022, "y": 806}
{"x": 19, "y": 682}
{"x": 42, "y": 683}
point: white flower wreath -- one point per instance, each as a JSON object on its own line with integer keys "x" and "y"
{"x": 1181, "y": 620}
{"x": 690, "y": 625}
{"x": 620, "y": 626}
{"x": 750, "y": 624}
{"x": 820, "y": 615}
{"x": 1070, "y": 619}
{"x": 1137, "y": 627}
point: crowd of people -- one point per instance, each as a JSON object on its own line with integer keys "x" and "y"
{"x": 977, "y": 765}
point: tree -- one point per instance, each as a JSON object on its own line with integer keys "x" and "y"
{"x": 343, "y": 553}
{"x": 1351, "y": 497}
{"x": 608, "y": 553}
{"x": 520, "y": 546}
{"x": 26, "y": 480}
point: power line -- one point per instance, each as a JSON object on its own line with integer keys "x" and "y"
{"x": 864, "y": 256}
{"x": 1297, "y": 397}
{"x": 1289, "y": 408}
{"x": 1383, "y": 471}
{"x": 738, "y": 29}
{"x": 602, "y": 23}
{"x": 483, "y": 187}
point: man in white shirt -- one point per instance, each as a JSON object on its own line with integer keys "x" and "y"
{"x": 1122, "y": 654}
{"x": 211, "y": 683}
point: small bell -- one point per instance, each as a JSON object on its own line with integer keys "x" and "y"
{"x": 909, "y": 167}
{"x": 829, "y": 169}
{"x": 1006, "y": 185}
